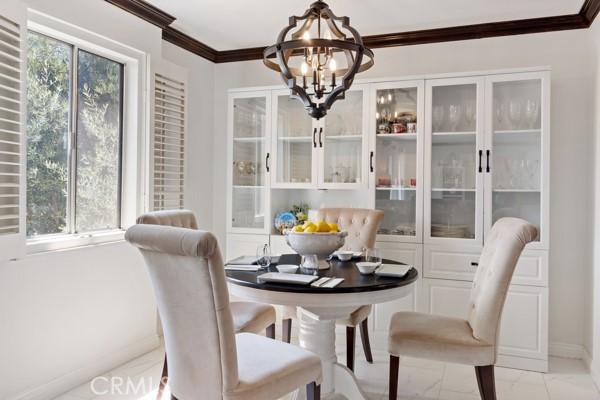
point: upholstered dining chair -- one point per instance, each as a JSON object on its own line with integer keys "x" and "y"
{"x": 472, "y": 341}
{"x": 247, "y": 316}
{"x": 207, "y": 359}
{"x": 361, "y": 225}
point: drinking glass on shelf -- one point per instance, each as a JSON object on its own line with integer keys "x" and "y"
{"x": 263, "y": 255}
{"x": 470, "y": 113}
{"x": 515, "y": 114}
{"x": 373, "y": 255}
{"x": 532, "y": 111}
{"x": 438, "y": 118}
{"x": 454, "y": 116}
{"x": 533, "y": 167}
{"x": 500, "y": 116}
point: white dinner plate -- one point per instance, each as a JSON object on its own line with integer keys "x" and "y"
{"x": 280, "y": 277}
{"x": 393, "y": 270}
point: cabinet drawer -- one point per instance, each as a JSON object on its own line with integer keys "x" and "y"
{"x": 461, "y": 264}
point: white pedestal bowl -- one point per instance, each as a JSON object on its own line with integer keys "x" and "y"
{"x": 320, "y": 244}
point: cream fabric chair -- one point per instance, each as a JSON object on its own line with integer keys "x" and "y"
{"x": 247, "y": 317}
{"x": 207, "y": 359}
{"x": 362, "y": 226}
{"x": 472, "y": 341}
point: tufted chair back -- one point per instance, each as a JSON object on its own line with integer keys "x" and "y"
{"x": 176, "y": 218}
{"x": 186, "y": 270}
{"x": 361, "y": 224}
{"x": 498, "y": 260}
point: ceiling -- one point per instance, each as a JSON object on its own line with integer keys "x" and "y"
{"x": 234, "y": 24}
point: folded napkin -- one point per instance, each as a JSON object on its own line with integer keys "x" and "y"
{"x": 235, "y": 267}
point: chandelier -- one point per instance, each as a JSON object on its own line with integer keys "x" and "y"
{"x": 317, "y": 59}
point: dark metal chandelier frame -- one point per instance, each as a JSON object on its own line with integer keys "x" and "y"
{"x": 319, "y": 96}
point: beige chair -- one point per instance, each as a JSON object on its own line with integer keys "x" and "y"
{"x": 247, "y": 317}
{"x": 361, "y": 225}
{"x": 472, "y": 341}
{"x": 207, "y": 359}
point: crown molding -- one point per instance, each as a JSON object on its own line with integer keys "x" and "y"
{"x": 188, "y": 43}
{"x": 145, "y": 11}
{"x": 582, "y": 20}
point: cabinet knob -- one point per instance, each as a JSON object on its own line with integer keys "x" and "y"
{"x": 315, "y": 138}
{"x": 474, "y": 264}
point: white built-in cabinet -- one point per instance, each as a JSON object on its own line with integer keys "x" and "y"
{"x": 475, "y": 149}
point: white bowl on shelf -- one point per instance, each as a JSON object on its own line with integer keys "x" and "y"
{"x": 366, "y": 267}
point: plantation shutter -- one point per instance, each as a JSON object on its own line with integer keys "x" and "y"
{"x": 12, "y": 129}
{"x": 170, "y": 112}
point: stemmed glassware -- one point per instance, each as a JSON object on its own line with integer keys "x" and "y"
{"x": 532, "y": 111}
{"x": 263, "y": 255}
{"x": 515, "y": 113}
{"x": 438, "y": 118}
{"x": 454, "y": 116}
{"x": 470, "y": 111}
{"x": 373, "y": 255}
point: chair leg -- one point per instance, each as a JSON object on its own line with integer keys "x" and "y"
{"x": 286, "y": 328}
{"x": 270, "y": 332}
{"x": 313, "y": 391}
{"x": 486, "y": 382}
{"x": 393, "y": 384}
{"x": 163, "y": 379}
{"x": 350, "y": 343}
{"x": 364, "y": 336}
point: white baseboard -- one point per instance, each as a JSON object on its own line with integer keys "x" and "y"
{"x": 84, "y": 374}
{"x": 566, "y": 350}
{"x": 594, "y": 370}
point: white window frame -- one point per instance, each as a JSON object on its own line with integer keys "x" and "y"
{"x": 135, "y": 129}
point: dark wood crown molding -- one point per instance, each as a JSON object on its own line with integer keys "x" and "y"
{"x": 582, "y": 20}
{"x": 188, "y": 43}
{"x": 145, "y": 11}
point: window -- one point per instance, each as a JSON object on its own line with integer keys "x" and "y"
{"x": 74, "y": 145}
{"x": 169, "y": 142}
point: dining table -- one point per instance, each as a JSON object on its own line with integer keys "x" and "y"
{"x": 319, "y": 308}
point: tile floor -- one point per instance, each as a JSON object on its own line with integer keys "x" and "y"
{"x": 419, "y": 379}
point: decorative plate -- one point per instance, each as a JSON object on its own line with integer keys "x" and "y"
{"x": 285, "y": 220}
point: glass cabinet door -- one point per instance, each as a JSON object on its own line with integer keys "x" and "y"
{"x": 293, "y": 141}
{"x": 398, "y": 155}
{"x": 340, "y": 138}
{"x": 516, "y": 140}
{"x": 249, "y": 179}
{"x": 454, "y": 203}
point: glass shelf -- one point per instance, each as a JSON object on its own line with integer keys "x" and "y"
{"x": 294, "y": 133}
{"x": 517, "y": 150}
{"x": 396, "y": 164}
{"x": 249, "y": 152}
{"x": 453, "y": 161}
{"x": 343, "y": 141}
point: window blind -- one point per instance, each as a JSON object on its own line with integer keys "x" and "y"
{"x": 11, "y": 129}
{"x": 169, "y": 142}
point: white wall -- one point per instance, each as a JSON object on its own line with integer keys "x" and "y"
{"x": 571, "y": 140}
{"x": 200, "y": 134}
{"x": 592, "y": 330}
{"x": 71, "y": 314}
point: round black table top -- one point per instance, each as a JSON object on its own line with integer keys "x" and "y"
{"x": 353, "y": 281}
